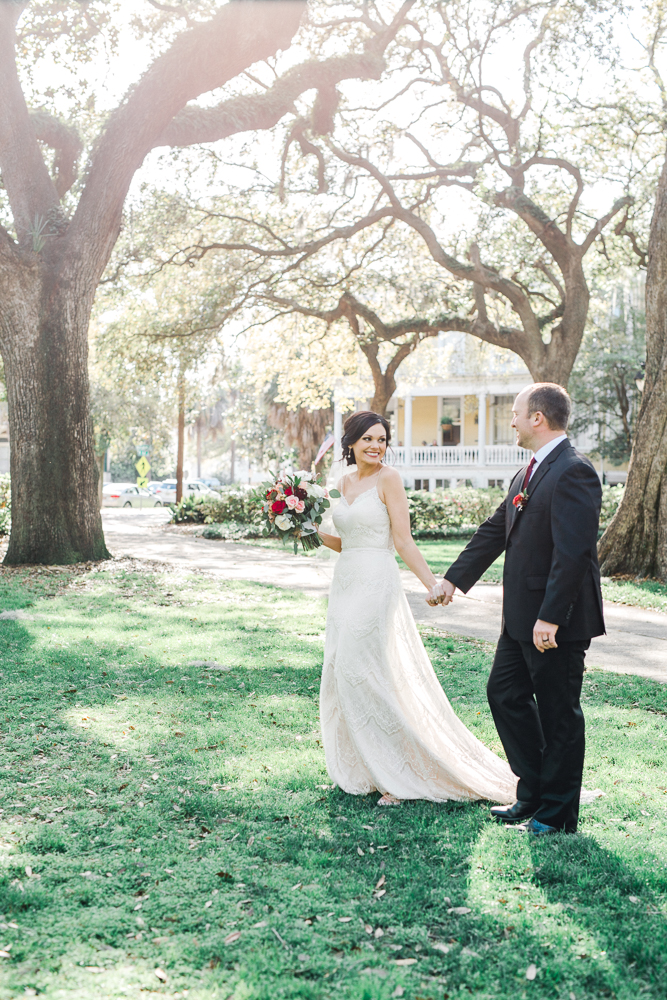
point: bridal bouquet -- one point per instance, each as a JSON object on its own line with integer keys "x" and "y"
{"x": 293, "y": 506}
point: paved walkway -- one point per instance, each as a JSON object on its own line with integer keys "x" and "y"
{"x": 636, "y": 640}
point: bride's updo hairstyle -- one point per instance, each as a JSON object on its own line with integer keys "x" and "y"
{"x": 356, "y": 426}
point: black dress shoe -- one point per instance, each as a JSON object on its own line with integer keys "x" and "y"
{"x": 537, "y": 829}
{"x": 513, "y": 814}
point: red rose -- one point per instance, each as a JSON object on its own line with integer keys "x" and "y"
{"x": 288, "y": 491}
{"x": 517, "y": 500}
{"x": 301, "y": 493}
{"x": 278, "y": 507}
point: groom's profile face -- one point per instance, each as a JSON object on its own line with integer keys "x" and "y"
{"x": 522, "y": 421}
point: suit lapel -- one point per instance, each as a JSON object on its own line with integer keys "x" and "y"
{"x": 514, "y": 489}
{"x": 537, "y": 477}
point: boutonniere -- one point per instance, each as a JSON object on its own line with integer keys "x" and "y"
{"x": 521, "y": 500}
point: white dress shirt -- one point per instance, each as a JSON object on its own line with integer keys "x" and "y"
{"x": 545, "y": 450}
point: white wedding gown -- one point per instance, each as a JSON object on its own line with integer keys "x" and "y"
{"x": 387, "y": 724}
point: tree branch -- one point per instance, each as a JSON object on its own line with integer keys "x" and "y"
{"x": 67, "y": 144}
{"x": 262, "y": 111}
{"x": 601, "y": 223}
{"x": 30, "y": 190}
{"x": 200, "y": 59}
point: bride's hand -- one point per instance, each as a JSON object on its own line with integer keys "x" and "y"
{"x": 442, "y": 593}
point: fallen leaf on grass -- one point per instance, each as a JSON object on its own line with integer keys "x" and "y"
{"x": 344, "y": 920}
{"x": 210, "y": 903}
{"x": 405, "y": 961}
{"x": 441, "y": 946}
{"x": 262, "y": 923}
{"x": 634, "y": 899}
{"x": 225, "y": 876}
{"x": 231, "y": 938}
{"x": 4, "y": 954}
{"x": 460, "y": 911}
{"x": 378, "y": 932}
{"x": 360, "y": 852}
{"x": 531, "y": 972}
{"x": 379, "y": 893}
{"x": 368, "y": 928}
{"x": 162, "y": 975}
{"x": 381, "y": 881}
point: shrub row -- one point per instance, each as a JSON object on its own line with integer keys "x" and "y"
{"x": 441, "y": 514}
{"x": 5, "y": 505}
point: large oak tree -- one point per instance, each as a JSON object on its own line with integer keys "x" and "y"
{"x": 54, "y": 251}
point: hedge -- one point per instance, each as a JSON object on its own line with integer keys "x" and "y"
{"x": 5, "y": 505}
{"x": 441, "y": 514}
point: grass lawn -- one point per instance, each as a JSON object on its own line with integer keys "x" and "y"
{"x": 168, "y": 829}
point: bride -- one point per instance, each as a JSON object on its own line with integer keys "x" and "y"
{"x": 387, "y": 724}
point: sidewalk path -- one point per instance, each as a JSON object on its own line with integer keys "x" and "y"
{"x": 636, "y": 640}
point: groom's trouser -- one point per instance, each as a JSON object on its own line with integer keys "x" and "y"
{"x": 535, "y": 702}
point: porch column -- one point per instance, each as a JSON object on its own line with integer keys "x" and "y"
{"x": 338, "y": 431}
{"x": 481, "y": 426}
{"x": 407, "y": 429}
{"x": 463, "y": 420}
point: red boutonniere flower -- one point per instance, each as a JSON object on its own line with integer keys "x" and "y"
{"x": 521, "y": 499}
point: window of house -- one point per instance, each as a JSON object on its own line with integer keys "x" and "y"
{"x": 421, "y": 484}
{"x": 502, "y": 419}
{"x": 442, "y": 484}
{"x": 450, "y": 420}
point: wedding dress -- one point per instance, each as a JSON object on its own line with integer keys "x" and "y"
{"x": 387, "y": 724}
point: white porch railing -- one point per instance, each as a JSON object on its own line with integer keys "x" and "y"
{"x": 458, "y": 455}
{"x": 506, "y": 454}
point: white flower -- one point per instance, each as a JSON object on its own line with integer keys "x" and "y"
{"x": 284, "y": 522}
{"x": 314, "y": 490}
{"x": 304, "y": 476}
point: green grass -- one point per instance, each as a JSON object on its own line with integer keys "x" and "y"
{"x": 158, "y": 815}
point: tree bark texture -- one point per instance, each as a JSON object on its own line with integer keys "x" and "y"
{"x": 44, "y": 343}
{"x": 181, "y": 440}
{"x": 303, "y": 429}
{"x": 636, "y": 540}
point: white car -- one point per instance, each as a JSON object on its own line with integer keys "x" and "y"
{"x": 128, "y": 495}
{"x": 166, "y": 491}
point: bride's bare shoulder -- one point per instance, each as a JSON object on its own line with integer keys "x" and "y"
{"x": 390, "y": 479}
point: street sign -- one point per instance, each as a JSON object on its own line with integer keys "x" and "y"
{"x": 142, "y": 466}
{"x": 142, "y": 481}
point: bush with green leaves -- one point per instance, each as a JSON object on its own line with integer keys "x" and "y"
{"x": 231, "y": 531}
{"x": 187, "y": 511}
{"x": 5, "y": 505}
{"x": 611, "y": 498}
{"x": 444, "y": 513}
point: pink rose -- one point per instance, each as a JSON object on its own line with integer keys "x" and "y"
{"x": 300, "y": 507}
{"x": 292, "y": 502}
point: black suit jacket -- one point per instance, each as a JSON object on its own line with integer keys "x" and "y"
{"x": 551, "y": 566}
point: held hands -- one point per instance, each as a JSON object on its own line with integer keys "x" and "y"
{"x": 544, "y": 635}
{"x": 442, "y": 593}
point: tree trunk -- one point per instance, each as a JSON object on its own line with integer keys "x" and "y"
{"x": 43, "y": 338}
{"x": 199, "y": 446}
{"x": 181, "y": 441}
{"x": 636, "y": 540}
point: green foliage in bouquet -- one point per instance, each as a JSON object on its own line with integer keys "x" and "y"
{"x": 292, "y": 508}
{"x": 5, "y": 505}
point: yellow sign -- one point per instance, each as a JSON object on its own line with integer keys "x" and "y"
{"x": 142, "y": 481}
{"x": 143, "y": 467}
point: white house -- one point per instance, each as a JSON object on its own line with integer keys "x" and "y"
{"x": 450, "y": 416}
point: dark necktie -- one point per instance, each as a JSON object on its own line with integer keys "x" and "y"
{"x": 526, "y": 478}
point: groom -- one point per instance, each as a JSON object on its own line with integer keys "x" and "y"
{"x": 552, "y": 608}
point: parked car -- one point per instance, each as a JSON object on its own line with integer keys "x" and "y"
{"x": 214, "y": 483}
{"x": 166, "y": 491}
{"x": 128, "y": 495}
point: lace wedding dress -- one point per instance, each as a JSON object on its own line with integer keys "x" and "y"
{"x": 387, "y": 724}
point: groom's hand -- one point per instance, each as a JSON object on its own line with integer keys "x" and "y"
{"x": 442, "y": 593}
{"x": 544, "y": 635}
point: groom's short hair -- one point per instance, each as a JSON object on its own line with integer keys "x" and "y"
{"x": 553, "y": 401}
